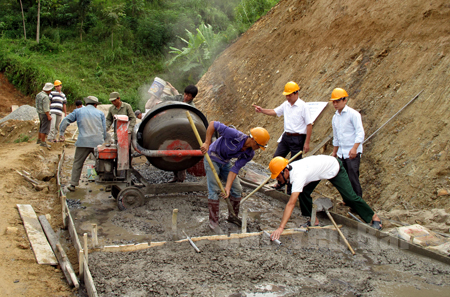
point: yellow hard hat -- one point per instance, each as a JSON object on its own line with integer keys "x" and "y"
{"x": 261, "y": 136}
{"x": 57, "y": 83}
{"x": 290, "y": 88}
{"x": 277, "y": 165}
{"x": 338, "y": 93}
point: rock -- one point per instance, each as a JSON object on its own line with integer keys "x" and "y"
{"x": 11, "y": 230}
{"x": 48, "y": 217}
{"x": 23, "y": 246}
{"x": 442, "y": 192}
{"x": 41, "y": 187}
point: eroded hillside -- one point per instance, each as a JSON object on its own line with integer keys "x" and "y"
{"x": 383, "y": 53}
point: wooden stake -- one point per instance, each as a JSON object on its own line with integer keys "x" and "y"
{"x": 313, "y": 214}
{"x": 174, "y": 220}
{"x": 94, "y": 235}
{"x": 86, "y": 253}
{"x": 63, "y": 211}
{"x": 244, "y": 221}
{"x": 80, "y": 263}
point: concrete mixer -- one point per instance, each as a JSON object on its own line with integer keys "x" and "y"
{"x": 166, "y": 139}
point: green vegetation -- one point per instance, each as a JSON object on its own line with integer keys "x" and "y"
{"x": 22, "y": 138}
{"x": 97, "y": 46}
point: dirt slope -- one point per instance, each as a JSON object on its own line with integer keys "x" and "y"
{"x": 383, "y": 53}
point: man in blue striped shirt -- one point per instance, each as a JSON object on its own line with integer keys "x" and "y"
{"x": 348, "y": 136}
{"x": 58, "y": 103}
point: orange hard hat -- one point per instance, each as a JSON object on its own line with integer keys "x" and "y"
{"x": 338, "y": 93}
{"x": 57, "y": 83}
{"x": 277, "y": 165}
{"x": 290, "y": 88}
{"x": 261, "y": 136}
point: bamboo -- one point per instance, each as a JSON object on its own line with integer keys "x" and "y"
{"x": 340, "y": 232}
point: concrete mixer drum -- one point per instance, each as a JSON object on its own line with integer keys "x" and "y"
{"x": 166, "y": 128}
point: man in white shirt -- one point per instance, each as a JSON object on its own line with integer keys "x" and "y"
{"x": 305, "y": 175}
{"x": 297, "y": 123}
{"x": 348, "y": 136}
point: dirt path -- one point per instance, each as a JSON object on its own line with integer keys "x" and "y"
{"x": 20, "y": 275}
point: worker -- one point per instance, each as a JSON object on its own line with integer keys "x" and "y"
{"x": 188, "y": 97}
{"x": 91, "y": 124}
{"x": 230, "y": 145}
{"x": 348, "y": 136}
{"x": 305, "y": 175}
{"x": 120, "y": 108}
{"x": 58, "y": 103}
{"x": 297, "y": 124}
{"x": 43, "y": 110}
{"x": 79, "y": 104}
{"x": 138, "y": 114}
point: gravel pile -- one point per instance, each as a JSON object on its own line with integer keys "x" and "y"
{"x": 23, "y": 113}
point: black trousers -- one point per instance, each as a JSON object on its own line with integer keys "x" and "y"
{"x": 290, "y": 144}
{"x": 352, "y": 168}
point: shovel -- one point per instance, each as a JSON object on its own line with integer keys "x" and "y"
{"x": 323, "y": 204}
{"x": 234, "y": 219}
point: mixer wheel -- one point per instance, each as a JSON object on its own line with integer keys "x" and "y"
{"x": 130, "y": 197}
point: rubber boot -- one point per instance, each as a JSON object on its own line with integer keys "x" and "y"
{"x": 213, "y": 206}
{"x": 235, "y": 203}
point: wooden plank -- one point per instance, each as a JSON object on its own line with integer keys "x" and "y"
{"x": 41, "y": 248}
{"x": 72, "y": 230}
{"x": 126, "y": 247}
{"x": 89, "y": 281}
{"x": 61, "y": 255}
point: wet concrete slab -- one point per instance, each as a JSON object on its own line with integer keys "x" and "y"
{"x": 316, "y": 263}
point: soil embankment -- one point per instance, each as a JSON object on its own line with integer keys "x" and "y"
{"x": 383, "y": 53}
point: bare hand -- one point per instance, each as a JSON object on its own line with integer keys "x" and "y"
{"x": 62, "y": 138}
{"x": 225, "y": 195}
{"x": 257, "y": 108}
{"x": 276, "y": 234}
{"x": 305, "y": 148}
{"x": 352, "y": 154}
{"x": 204, "y": 148}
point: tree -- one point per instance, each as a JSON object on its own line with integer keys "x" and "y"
{"x": 23, "y": 19}
{"x": 113, "y": 15}
{"x": 38, "y": 20}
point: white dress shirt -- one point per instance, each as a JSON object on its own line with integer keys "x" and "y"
{"x": 347, "y": 130}
{"x": 296, "y": 117}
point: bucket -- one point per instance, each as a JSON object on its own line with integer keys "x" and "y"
{"x": 157, "y": 87}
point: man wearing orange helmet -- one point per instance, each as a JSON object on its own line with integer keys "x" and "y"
{"x": 58, "y": 103}
{"x": 232, "y": 144}
{"x": 348, "y": 136}
{"x": 305, "y": 175}
{"x": 297, "y": 123}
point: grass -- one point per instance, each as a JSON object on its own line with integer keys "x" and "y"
{"x": 83, "y": 68}
{"x": 22, "y": 138}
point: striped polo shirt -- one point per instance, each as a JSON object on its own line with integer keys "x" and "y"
{"x": 57, "y": 101}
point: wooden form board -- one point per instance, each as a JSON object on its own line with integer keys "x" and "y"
{"x": 41, "y": 248}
